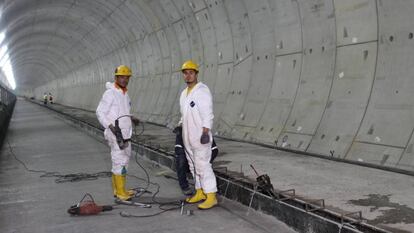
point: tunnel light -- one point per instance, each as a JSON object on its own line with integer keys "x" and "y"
{"x": 8, "y": 71}
{"x": 6, "y": 65}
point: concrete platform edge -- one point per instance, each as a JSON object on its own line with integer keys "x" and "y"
{"x": 292, "y": 212}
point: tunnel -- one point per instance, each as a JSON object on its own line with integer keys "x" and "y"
{"x": 329, "y": 79}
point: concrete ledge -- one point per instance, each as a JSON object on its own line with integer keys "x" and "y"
{"x": 336, "y": 159}
{"x": 291, "y": 211}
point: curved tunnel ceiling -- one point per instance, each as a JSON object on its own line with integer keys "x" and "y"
{"x": 330, "y": 77}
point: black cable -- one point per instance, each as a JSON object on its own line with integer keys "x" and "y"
{"x": 75, "y": 177}
{"x": 141, "y": 123}
{"x": 161, "y": 205}
{"x": 153, "y": 200}
{"x": 126, "y": 115}
{"x": 128, "y": 215}
{"x": 86, "y": 176}
{"x": 142, "y": 130}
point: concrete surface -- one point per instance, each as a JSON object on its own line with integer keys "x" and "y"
{"x": 385, "y": 198}
{"x": 331, "y": 77}
{"x": 29, "y": 203}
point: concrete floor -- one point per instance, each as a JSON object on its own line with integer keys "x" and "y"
{"x": 385, "y": 198}
{"x": 30, "y": 203}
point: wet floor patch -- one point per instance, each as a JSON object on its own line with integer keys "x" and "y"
{"x": 391, "y": 212}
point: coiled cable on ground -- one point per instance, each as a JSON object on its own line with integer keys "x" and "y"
{"x": 74, "y": 177}
{"x": 176, "y": 204}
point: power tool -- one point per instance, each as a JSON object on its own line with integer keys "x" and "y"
{"x": 119, "y": 138}
{"x": 88, "y": 207}
{"x": 122, "y": 143}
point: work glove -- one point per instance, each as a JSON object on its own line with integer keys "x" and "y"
{"x": 177, "y": 130}
{"x": 118, "y": 135}
{"x": 205, "y": 138}
{"x": 135, "y": 120}
{"x": 112, "y": 128}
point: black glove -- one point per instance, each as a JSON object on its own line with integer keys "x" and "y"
{"x": 177, "y": 130}
{"x": 112, "y": 128}
{"x": 118, "y": 135}
{"x": 205, "y": 138}
{"x": 135, "y": 120}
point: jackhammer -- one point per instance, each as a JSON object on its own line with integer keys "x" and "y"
{"x": 122, "y": 143}
{"x": 116, "y": 130}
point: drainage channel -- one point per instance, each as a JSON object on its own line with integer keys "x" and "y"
{"x": 298, "y": 213}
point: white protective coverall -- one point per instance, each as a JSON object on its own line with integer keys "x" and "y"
{"x": 116, "y": 103}
{"x": 196, "y": 113}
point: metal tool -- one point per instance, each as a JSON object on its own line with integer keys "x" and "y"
{"x": 264, "y": 183}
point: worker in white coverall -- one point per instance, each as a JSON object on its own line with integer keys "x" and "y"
{"x": 116, "y": 104}
{"x": 196, "y": 105}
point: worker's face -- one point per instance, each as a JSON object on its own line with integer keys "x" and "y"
{"x": 190, "y": 76}
{"x": 122, "y": 80}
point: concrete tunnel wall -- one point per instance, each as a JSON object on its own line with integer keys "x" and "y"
{"x": 332, "y": 77}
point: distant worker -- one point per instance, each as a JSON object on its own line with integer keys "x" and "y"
{"x": 196, "y": 106}
{"x": 114, "y": 114}
{"x": 45, "y": 98}
{"x": 181, "y": 162}
{"x": 50, "y": 98}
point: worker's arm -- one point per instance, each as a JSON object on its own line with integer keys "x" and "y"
{"x": 205, "y": 102}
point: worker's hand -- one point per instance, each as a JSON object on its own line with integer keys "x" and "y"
{"x": 135, "y": 120}
{"x": 205, "y": 138}
{"x": 112, "y": 128}
{"x": 178, "y": 130}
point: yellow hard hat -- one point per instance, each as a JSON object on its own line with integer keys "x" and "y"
{"x": 123, "y": 70}
{"x": 189, "y": 65}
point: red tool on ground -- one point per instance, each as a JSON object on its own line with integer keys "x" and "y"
{"x": 88, "y": 207}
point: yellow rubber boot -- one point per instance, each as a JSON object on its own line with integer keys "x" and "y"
{"x": 210, "y": 202}
{"x": 120, "y": 187}
{"x": 198, "y": 196}
{"x": 113, "y": 185}
{"x": 130, "y": 192}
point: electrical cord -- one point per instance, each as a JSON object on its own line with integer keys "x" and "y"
{"x": 128, "y": 215}
{"x": 75, "y": 177}
{"x": 176, "y": 204}
{"x": 141, "y": 123}
{"x": 161, "y": 205}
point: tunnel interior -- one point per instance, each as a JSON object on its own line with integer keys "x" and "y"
{"x": 328, "y": 77}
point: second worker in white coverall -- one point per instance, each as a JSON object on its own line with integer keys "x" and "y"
{"x": 116, "y": 105}
{"x": 196, "y": 106}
